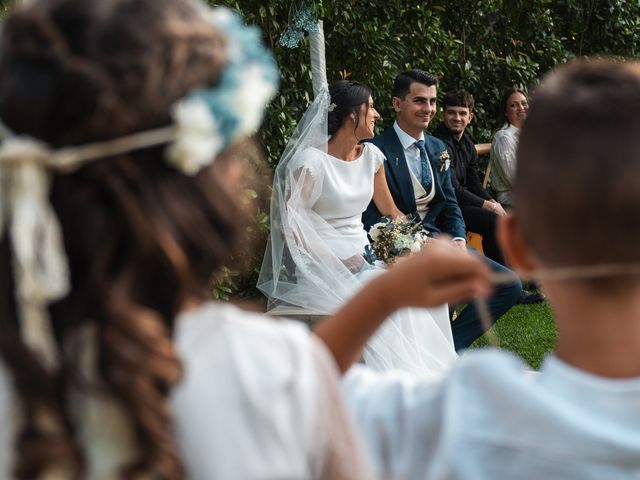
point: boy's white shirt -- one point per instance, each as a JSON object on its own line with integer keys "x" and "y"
{"x": 488, "y": 419}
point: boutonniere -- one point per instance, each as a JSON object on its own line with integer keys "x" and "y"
{"x": 444, "y": 161}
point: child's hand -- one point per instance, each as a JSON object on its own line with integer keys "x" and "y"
{"x": 440, "y": 273}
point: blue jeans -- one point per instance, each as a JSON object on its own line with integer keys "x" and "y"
{"x": 467, "y": 326}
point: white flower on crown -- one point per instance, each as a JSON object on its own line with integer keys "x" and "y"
{"x": 198, "y": 140}
{"x": 219, "y": 15}
{"x": 250, "y": 98}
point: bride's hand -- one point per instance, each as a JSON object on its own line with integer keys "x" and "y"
{"x": 400, "y": 216}
{"x": 439, "y": 273}
{"x": 354, "y": 263}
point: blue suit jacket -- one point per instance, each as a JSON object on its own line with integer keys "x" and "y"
{"x": 444, "y": 213}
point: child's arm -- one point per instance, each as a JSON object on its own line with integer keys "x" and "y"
{"x": 440, "y": 273}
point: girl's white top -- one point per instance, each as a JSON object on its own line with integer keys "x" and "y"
{"x": 258, "y": 400}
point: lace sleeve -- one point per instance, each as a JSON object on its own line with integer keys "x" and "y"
{"x": 342, "y": 456}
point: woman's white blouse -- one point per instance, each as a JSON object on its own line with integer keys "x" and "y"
{"x": 503, "y": 161}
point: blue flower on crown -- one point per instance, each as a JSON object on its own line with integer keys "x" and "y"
{"x": 210, "y": 119}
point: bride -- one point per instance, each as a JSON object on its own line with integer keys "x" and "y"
{"x": 314, "y": 258}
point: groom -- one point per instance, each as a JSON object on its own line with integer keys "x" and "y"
{"x": 419, "y": 177}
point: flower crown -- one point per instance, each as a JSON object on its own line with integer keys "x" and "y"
{"x": 205, "y": 122}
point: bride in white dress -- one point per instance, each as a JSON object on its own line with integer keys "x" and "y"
{"x": 314, "y": 259}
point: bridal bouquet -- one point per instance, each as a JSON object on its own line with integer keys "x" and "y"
{"x": 391, "y": 238}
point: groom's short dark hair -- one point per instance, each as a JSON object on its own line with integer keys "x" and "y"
{"x": 403, "y": 81}
{"x": 576, "y": 193}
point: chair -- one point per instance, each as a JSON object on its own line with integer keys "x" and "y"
{"x": 474, "y": 240}
{"x": 484, "y": 149}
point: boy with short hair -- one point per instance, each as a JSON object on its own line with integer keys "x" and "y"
{"x": 577, "y": 205}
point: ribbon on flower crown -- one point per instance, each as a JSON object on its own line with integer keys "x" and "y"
{"x": 205, "y": 122}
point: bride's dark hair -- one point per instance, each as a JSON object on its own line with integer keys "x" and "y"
{"x": 141, "y": 238}
{"x": 346, "y": 98}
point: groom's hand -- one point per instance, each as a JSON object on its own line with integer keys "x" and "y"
{"x": 440, "y": 273}
{"x": 460, "y": 243}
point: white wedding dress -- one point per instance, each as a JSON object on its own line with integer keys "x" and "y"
{"x": 314, "y": 256}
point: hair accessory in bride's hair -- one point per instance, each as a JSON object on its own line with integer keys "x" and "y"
{"x": 206, "y": 121}
{"x": 332, "y": 107}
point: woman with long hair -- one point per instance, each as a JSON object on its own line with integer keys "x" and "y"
{"x": 122, "y": 126}
{"x": 512, "y": 112}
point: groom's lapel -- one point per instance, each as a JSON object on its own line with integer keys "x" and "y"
{"x": 397, "y": 165}
{"x": 434, "y": 159}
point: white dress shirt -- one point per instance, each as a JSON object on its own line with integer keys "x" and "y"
{"x": 411, "y": 152}
{"x": 414, "y": 162}
{"x": 258, "y": 399}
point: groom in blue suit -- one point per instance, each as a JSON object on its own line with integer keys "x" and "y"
{"x": 418, "y": 172}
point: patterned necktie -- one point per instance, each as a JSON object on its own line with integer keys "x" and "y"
{"x": 426, "y": 171}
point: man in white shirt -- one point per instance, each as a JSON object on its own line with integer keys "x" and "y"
{"x": 579, "y": 419}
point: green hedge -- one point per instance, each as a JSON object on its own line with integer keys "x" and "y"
{"x": 483, "y": 46}
{"x": 480, "y": 45}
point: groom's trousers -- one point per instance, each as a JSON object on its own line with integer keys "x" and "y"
{"x": 467, "y": 326}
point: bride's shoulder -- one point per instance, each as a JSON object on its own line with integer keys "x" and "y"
{"x": 310, "y": 158}
{"x": 372, "y": 152}
{"x": 312, "y": 154}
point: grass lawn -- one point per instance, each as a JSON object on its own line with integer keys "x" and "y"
{"x": 527, "y": 330}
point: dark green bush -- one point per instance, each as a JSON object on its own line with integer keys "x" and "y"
{"x": 483, "y": 46}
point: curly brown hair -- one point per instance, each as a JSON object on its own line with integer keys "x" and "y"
{"x": 142, "y": 239}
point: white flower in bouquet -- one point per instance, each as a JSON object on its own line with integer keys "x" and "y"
{"x": 376, "y": 230}
{"x": 403, "y": 242}
{"x": 420, "y": 239}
